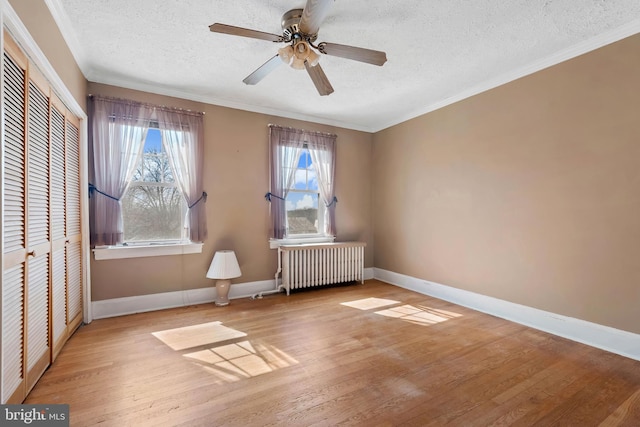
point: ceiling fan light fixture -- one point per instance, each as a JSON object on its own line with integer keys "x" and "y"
{"x": 286, "y": 54}
{"x": 297, "y": 64}
{"x": 301, "y": 50}
{"x": 313, "y": 58}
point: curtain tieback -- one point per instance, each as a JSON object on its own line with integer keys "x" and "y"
{"x": 268, "y": 197}
{"x": 93, "y": 188}
{"x": 333, "y": 202}
{"x": 203, "y": 197}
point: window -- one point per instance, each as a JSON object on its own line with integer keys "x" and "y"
{"x": 305, "y": 216}
{"x": 301, "y": 191}
{"x": 153, "y": 208}
{"x": 148, "y": 191}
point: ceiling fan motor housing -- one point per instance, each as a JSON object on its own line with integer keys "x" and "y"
{"x": 290, "y": 21}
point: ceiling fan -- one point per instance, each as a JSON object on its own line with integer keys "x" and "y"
{"x": 300, "y": 31}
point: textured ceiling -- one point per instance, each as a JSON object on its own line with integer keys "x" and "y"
{"x": 439, "y": 51}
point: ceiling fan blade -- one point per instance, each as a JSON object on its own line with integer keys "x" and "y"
{"x": 313, "y": 14}
{"x": 263, "y": 70}
{"x": 369, "y": 56}
{"x": 244, "y": 32}
{"x": 319, "y": 79}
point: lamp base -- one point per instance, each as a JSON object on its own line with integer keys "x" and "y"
{"x": 222, "y": 292}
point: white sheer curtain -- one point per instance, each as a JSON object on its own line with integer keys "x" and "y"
{"x": 183, "y": 141}
{"x": 117, "y": 132}
{"x": 285, "y": 145}
{"x": 322, "y": 148}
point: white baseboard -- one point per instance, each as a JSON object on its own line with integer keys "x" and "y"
{"x": 143, "y": 303}
{"x": 604, "y": 337}
{"x": 139, "y": 304}
{"x": 368, "y": 273}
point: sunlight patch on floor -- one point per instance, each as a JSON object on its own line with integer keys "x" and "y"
{"x": 369, "y": 303}
{"x": 420, "y": 315}
{"x": 233, "y": 362}
{"x": 197, "y": 335}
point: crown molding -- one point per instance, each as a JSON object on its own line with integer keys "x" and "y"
{"x": 571, "y": 52}
{"x": 64, "y": 25}
{"x": 14, "y": 25}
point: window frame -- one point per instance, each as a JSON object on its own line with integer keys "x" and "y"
{"x": 150, "y": 248}
{"x": 183, "y": 239}
{"x": 305, "y": 238}
{"x": 320, "y": 210}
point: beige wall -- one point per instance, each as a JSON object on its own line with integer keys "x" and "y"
{"x": 35, "y": 15}
{"x": 236, "y": 179}
{"x": 529, "y": 192}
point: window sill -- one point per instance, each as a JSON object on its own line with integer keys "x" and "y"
{"x": 121, "y": 252}
{"x": 275, "y": 244}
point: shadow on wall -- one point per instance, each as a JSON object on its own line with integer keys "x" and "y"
{"x": 224, "y": 243}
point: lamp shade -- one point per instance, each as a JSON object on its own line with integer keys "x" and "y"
{"x": 313, "y": 58}
{"x": 224, "y": 266}
{"x": 301, "y": 50}
{"x": 297, "y": 64}
{"x": 285, "y": 54}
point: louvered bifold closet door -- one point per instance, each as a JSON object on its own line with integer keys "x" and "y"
{"x": 58, "y": 228}
{"x": 13, "y": 239}
{"x": 42, "y": 247}
{"x": 74, "y": 236}
{"x": 38, "y": 216}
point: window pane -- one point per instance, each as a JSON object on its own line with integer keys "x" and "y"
{"x": 300, "y": 182}
{"x": 302, "y": 213}
{"x": 156, "y": 168}
{"x": 139, "y": 173}
{"x": 312, "y": 180}
{"x": 302, "y": 200}
{"x": 305, "y": 159}
{"x": 149, "y": 174}
{"x": 152, "y": 212}
{"x": 153, "y": 143}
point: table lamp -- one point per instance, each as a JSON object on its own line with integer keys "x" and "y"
{"x": 224, "y": 267}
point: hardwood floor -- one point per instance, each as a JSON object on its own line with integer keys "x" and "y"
{"x": 309, "y": 359}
